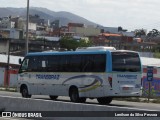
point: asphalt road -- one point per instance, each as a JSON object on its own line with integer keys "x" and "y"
{"x": 114, "y": 103}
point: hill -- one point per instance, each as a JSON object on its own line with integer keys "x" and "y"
{"x": 63, "y": 16}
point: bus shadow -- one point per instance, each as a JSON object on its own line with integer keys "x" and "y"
{"x": 116, "y": 105}
{"x": 87, "y": 102}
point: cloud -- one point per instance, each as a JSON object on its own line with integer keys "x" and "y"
{"x": 127, "y": 13}
{"x": 13, "y": 3}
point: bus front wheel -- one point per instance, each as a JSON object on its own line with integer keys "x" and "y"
{"x": 24, "y": 92}
{"x": 104, "y": 100}
{"x": 74, "y": 96}
{"x": 53, "y": 97}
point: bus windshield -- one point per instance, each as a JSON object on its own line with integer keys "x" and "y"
{"x": 126, "y": 62}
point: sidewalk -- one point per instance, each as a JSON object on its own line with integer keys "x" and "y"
{"x": 140, "y": 99}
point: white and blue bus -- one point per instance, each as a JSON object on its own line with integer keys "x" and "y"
{"x": 101, "y": 74}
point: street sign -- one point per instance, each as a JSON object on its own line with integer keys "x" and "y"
{"x": 149, "y": 78}
{"x": 149, "y": 73}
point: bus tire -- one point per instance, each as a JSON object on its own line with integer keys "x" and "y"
{"x": 53, "y": 97}
{"x": 74, "y": 95}
{"x": 24, "y": 92}
{"x": 104, "y": 100}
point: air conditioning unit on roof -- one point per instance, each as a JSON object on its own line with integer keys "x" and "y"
{"x": 96, "y": 48}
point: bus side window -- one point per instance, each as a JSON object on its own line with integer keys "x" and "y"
{"x": 64, "y": 63}
{"x": 99, "y": 63}
{"x": 52, "y": 64}
{"x": 75, "y": 63}
{"x": 41, "y": 64}
{"x": 88, "y": 63}
{"x": 32, "y": 65}
{"x": 24, "y": 66}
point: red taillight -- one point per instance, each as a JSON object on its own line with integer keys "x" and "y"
{"x": 125, "y": 88}
{"x": 110, "y": 81}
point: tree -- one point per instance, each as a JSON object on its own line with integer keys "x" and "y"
{"x": 139, "y": 32}
{"x": 37, "y": 16}
{"x": 72, "y": 44}
{"x": 153, "y": 33}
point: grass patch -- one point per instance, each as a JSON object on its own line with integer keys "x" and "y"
{"x": 156, "y": 100}
{"x": 133, "y": 99}
{"x": 140, "y": 99}
{"x": 8, "y": 89}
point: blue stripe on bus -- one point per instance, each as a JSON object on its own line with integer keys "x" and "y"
{"x": 109, "y": 62}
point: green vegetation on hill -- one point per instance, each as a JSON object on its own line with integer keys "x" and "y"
{"x": 72, "y": 44}
{"x": 156, "y": 55}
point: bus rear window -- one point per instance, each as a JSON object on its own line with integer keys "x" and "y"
{"x": 126, "y": 62}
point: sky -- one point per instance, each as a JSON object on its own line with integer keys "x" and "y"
{"x": 129, "y": 14}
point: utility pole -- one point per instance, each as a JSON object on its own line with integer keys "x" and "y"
{"x": 8, "y": 57}
{"x": 26, "y": 43}
{"x": 7, "y": 67}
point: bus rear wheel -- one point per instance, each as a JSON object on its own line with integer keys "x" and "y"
{"x": 104, "y": 100}
{"x": 74, "y": 96}
{"x": 24, "y": 92}
{"x": 53, "y": 97}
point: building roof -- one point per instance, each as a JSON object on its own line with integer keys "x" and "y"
{"x": 150, "y": 61}
{"x": 129, "y": 34}
{"x": 75, "y": 24}
{"x": 49, "y": 38}
{"x": 13, "y": 59}
{"x": 111, "y": 34}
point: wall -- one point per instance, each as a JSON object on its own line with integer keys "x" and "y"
{"x": 146, "y": 54}
{"x": 155, "y": 84}
{"x": 12, "y": 78}
{"x": 2, "y": 71}
{"x": 31, "y": 26}
{"x": 14, "y": 34}
{"x": 85, "y": 31}
{"x": 4, "y": 46}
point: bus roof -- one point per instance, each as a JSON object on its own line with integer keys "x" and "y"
{"x": 96, "y": 48}
{"x": 77, "y": 52}
{"x": 66, "y": 53}
{"x": 125, "y": 51}
{"x": 82, "y": 50}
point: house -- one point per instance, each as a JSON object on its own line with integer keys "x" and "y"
{"x": 82, "y": 30}
{"x": 13, "y": 63}
{"x": 7, "y": 23}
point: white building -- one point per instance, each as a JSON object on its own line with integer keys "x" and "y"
{"x": 146, "y": 61}
{"x": 7, "y": 23}
{"x": 31, "y": 27}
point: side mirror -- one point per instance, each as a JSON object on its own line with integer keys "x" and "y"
{"x": 20, "y": 61}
